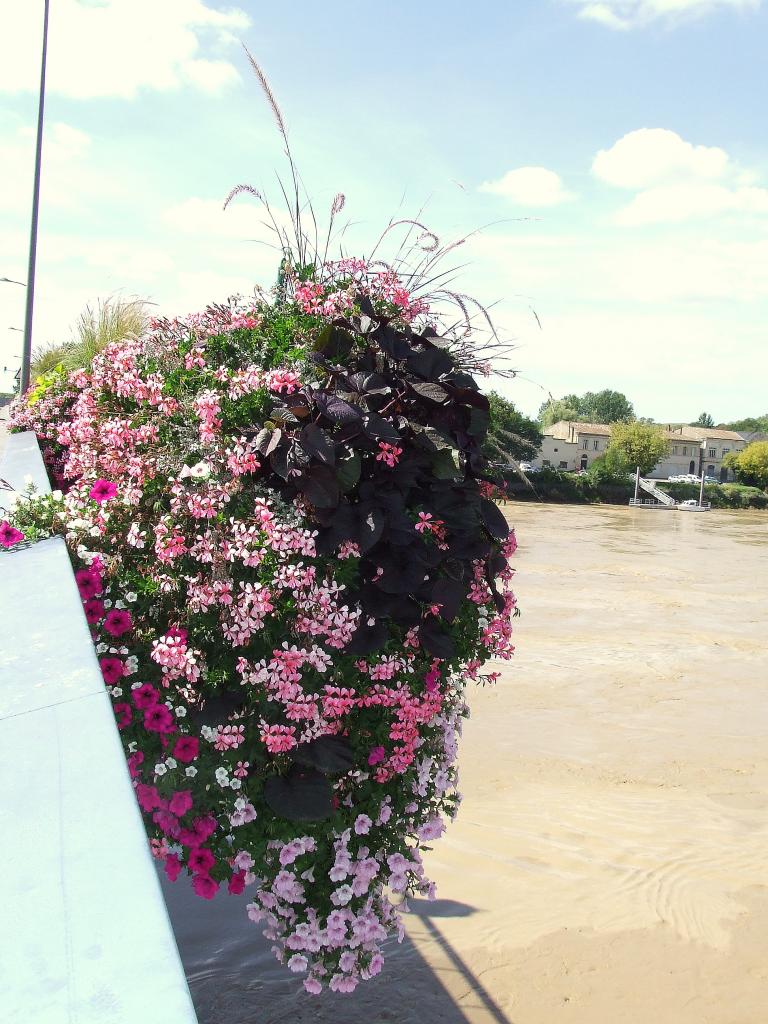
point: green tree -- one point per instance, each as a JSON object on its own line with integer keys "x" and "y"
{"x": 750, "y": 425}
{"x": 556, "y": 409}
{"x": 639, "y": 444}
{"x": 510, "y": 433}
{"x": 610, "y": 468}
{"x": 606, "y": 407}
{"x": 704, "y": 420}
{"x": 750, "y": 464}
{"x": 593, "y": 407}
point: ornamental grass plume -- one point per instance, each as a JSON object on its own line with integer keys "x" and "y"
{"x": 296, "y": 569}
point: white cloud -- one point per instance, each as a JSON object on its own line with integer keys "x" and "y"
{"x": 675, "y": 204}
{"x": 629, "y": 14}
{"x": 243, "y": 219}
{"x": 655, "y": 156}
{"x": 66, "y": 177}
{"x": 676, "y": 181}
{"x": 529, "y": 186}
{"x": 119, "y": 47}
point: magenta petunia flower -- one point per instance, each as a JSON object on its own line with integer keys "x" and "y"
{"x": 112, "y": 669}
{"x": 117, "y": 622}
{"x": 186, "y": 749}
{"x": 200, "y": 861}
{"x": 172, "y": 867}
{"x": 377, "y": 755}
{"x": 180, "y": 802}
{"x": 124, "y": 714}
{"x": 237, "y": 883}
{"x": 89, "y": 583}
{"x": 133, "y": 763}
{"x": 103, "y": 490}
{"x": 94, "y": 610}
{"x": 144, "y": 696}
{"x": 158, "y": 719}
{"x": 205, "y": 886}
{"x": 9, "y": 535}
{"x": 148, "y": 797}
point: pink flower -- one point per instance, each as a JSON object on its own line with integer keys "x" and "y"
{"x": 205, "y": 886}
{"x": 144, "y": 696}
{"x": 186, "y": 749}
{"x": 172, "y": 867}
{"x": 158, "y": 718}
{"x": 389, "y": 453}
{"x": 362, "y": 825}
{"x": 89, "y": 583}
{"x": 200, "y": 860}
{"x": 103, "y": 490}
{"x": 9, "y": 535}
{"x": 94, "y": 610}
{"x": 180, "y": 802}
{"x": 124, "y": 714}
{"x": 112, "y": 669}
{"x": 117, "y": 622}
{"x": 278, "y": 738}
{"x": 377, "y": 755}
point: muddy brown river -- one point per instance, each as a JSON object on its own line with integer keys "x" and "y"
{"x": 610, "y": 860}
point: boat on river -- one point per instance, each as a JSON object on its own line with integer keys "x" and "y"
{"x": 691, "y": 505}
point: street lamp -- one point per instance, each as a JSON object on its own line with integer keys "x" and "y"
{"x": 10, "y": 280}
{"x": 26, "y": 352}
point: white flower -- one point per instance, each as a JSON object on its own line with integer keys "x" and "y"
{"x": 190, "y": 772}
{"x": 222, "y": 776}
{"x": 235, "y": 784}
{"x": 131, "y": 665}
{"x": 132, "y": 747}
{"x": 107, "y": 604}
{"x": 131, "y": 597}
{"x": 119, "y": 604}
{"x": 135, "y": 686}
{"x": 117, "y": 691}
{"x": 57, "y": 495}
{"x": 170, "y": 762}
{"x": 160, "y": 769}
{"x": 95, "y": 531}
{"x": 181, "y": 712}
{"x": 100, "y": 648}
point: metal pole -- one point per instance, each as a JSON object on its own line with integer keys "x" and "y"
{"x": 26, "y": 353}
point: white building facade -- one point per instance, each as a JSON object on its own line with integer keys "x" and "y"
{"x": 572, "y": 446}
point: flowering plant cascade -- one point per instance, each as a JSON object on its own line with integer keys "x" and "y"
{"x": 288, "y": 554}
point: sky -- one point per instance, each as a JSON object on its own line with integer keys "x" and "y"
{"x": 613, "y": 154}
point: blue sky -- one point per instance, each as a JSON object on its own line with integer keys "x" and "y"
{"x": 616, "y": 149}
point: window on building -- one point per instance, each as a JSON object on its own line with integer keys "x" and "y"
{"x": 685, "y": 451}
{"x": 563, "y": 465}
{"x": 586, "y": 445}
{"x": 674, "y": 449}
{"x": 596, "y": 445}
{"x": 725, "y": 451}
{"x": 713, "y": 453}
{"x": 711, "y": 470}
{"x": 547, "y": 463}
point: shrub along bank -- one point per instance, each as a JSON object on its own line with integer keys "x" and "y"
{"x": 568, "y": 488}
